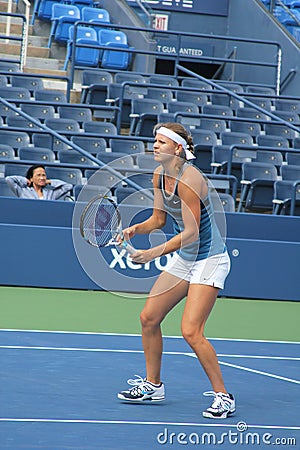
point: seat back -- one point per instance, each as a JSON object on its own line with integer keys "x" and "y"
{"x": 69, "y": 175}
{"x": 36, "y": 154}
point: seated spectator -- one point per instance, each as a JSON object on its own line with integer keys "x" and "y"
{"x": 37, "y": 186}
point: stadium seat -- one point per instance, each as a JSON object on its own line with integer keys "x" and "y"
{"x": 84, "y": 56}
{"x": 262, "y": 102}
{"x": 130, "y": 196}
{"x": 290, "y": 172}
{"x": 15, "y": 139}
{"x": 48, "y": 141}
{"x": 228, "y": 202}
{"x": 226, "y": 160}
{"x": 50, "y": 95}
{"x": 86, "y": 192}
{"x": 203, "y": 158}
{"x": 39, "y": 154}
{"x": 103, "y": 178}
{"x": 123, "y": 161}
{"x": 11, "y": 93}
{"x": 163, "y": 95}
{"x": 95, "y": 86}
{"x": 287, "y": 105}
{"x": 280, "y": 130}
{"x": 6, "y": 152}
{"x": 30, "y": 83}
{"x": 92, "y": 145}
{"x": 111, "y": 58}
{"x": 69, "y": 175}
{"x": 271, "y": 157}
{"x": 236, "y": 138}
{"x": 16, "y": 169}
{"x": 257, "y": 187}
{"x": 182, "y": 107}
{"x": 270, "y": 140}
{"x": 80, "y": 114}
{"x": 144, "y": 180}
{"x": 21, "y": 122}
{"x": 43, "y": 10}
{"x": 205, "y": 138}
{"x": 144, "y": 115}
{"x": 166, "y": 80}
{"x": 218, "y": 126}
{"x": 129, "y": 146}
{"x": 218, "y": 110}
{"x": 40, "y": 112}
{"x": 61, "y": 125}
{"x": 251, "y": 128}
{"x": 5, "y": 111}
{"x": 146, "y": 161}
{"x": 100, "y": 127}
{"x": 5, "y": 190}
{"x": 286, "y": 199}
{"x": 293, "y": 158}
{"x": 62, "y": 18}
{"x": 251, "y": 113}
{"x": 73, "y": 157}
{"x": 194, "y": 83}
{"x": 196, "y": 97}
{"x": 122, "y": 77}
{"x": 95, "y": 15}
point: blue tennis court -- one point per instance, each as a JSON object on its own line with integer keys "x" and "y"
{"x": 58, "y": 392}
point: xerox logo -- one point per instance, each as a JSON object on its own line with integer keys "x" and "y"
{"x": 123, "y": 262}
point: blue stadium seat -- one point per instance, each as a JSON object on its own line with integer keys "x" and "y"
{"x": 286, "y": 199}
{"x": 5, "y": 190}
{"x": 80, "y": 114}
{"x": 6, "y": 152}
{"x": 15, "y": 139}
{"x": 69, "y": 175}
{"x": 123, "y": 161}
{"x": 144, "y": 115}
{"x": 271, "y": 157}
{"x": 95, "y": 15}
{"x": 16, "y": 169}
{"x": 270, "y": 140}
{"x": 280, "y": 130}
{"x": 167, "y": 80}
{"x": 293, "y": 158}
{"x": 36, "y": 154}
{"x": 40, "y": 112}
{"x": 130, "y": 196}
{"x": 129, "y": 146}
{"x": 84, "y": 56}
{"x": 182, "y": 107}
{"x": 73, "y": 157}
{"x": 48, "y": 141}
{"x": 218, "y": 126}
{"x": 197, "y": 97}
{"x": 92, "y": 145}
{"x": 146, "y": 161}
{"x": 43, "y": 10}
{"x": 290, "y": 172}
{"x": 86, "y": 192}
{"x": 236, "y": 138}
{"x": 63, "y": 17}
{"x": 50, "y": 95}
{"x": 5, "y": 111}
{"x": 100, "y": 128}
{"x": 195, "y": 83}
{"x": 21, "y": 122}
{"x": 111, "y": 58}
{"x": 61, "y": 125}
{"x": 227, "y": 201}
{"x": 95, "y": 86}
{"x": 14, "y": 93}
{"x": 252, "y": 128}
{"x": 30, "y": 83}
{"x": 121, "y": 77}
{"x": 257, "y": 187}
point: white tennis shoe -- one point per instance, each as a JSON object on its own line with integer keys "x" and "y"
{"x": 223, "y": 405}
{"x": 142, "y": 390}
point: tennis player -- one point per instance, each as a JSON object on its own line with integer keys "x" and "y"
{"x": 197, "y": 270}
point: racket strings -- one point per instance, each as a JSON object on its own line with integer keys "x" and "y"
{"x": 101, "y": 222}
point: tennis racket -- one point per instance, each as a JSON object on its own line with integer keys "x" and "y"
{"x": 100, "y": 224}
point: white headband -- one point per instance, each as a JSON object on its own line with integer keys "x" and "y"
{"x": 178, "y": 139}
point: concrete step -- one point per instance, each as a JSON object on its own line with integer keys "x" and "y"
{"x": 10, "y": 49}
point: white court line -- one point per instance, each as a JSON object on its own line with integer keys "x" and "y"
{"x": 130, "y": 422}
{"x": 92, "y": 333}
{"x": 101, "y": 350}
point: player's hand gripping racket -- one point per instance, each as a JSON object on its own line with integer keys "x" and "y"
{"x": 101, "y": 225}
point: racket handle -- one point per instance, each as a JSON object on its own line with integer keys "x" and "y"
{"x": 127, "y": 247}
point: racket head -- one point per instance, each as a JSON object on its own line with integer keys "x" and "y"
{"x": 100, "y": 221}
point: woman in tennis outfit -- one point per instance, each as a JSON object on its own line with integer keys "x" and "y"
{"x": 197, "y": 270}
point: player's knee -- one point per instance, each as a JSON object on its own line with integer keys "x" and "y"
{"x": 149, "y": 320}
{"x": 192, "y": 334}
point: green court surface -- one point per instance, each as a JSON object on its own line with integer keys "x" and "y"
{"x": 104, "y": 312}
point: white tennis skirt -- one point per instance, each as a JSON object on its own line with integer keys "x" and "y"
{"x": 211, "y": 271}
